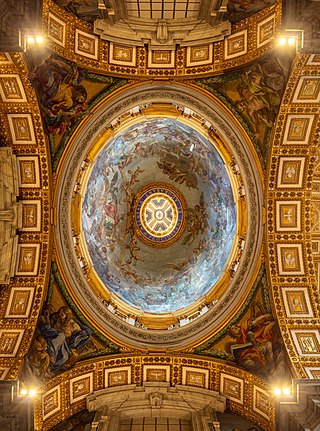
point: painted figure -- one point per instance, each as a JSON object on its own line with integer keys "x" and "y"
{"x": 61, "y": 94}
{"x": 255, "y": 338}
{"x": 55, "y": 347}
{"x": 240, "y": 9}
{"x": 37, "y": 362}
{"x": 255, "y": 92}
{"x": 197, "y": 221}
{"x": 259, "y": 90}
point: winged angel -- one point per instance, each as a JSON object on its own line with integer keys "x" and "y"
{"x": 197, "y": 221}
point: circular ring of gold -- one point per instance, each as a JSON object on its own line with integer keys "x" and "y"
{"x": 159, "y": 214}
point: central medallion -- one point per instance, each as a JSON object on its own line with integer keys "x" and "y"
{"x": 160, "y": 214}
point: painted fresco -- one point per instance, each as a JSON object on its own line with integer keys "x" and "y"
{"x": 236, "y": 9}
{"x": 87, "y": 10}
{"x": 230, "y": 421}
{"x": 77, "y": 422}
{"x": 241, "y": 9}
{"x": 66, "y": 93}
{"x": 254, "y": 95}
{"x": 252, "y": 339}
{"x": 153, "y": 279}
{"x": 61, "y": 338}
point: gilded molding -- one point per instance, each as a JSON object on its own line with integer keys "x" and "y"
{"x": 202, "y": 105}
{"x": 21, "y": 129}
{"x": 75, "y": 40}
{"x": 291, "y": 233}
{"x": 246, "y": 394}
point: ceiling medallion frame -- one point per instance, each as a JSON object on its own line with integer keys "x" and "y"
{"x": 151, "y": 216}
{"x": 117, "y": 320}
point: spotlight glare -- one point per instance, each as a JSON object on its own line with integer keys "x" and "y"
{"x": 39, "y": 39}
{"x": 277, "y": 391}
{"x": 291, "y": 41}
{"x": 23, "y": 392}
{"x": 31, "y": 40}
{"x": 286, "y": 391}
{"x": 32, "y": 392}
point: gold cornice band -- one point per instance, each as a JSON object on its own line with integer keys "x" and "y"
{"x": 250, "y": 39}
{"x": 22, "y": 130}
{"x": 291, "y": 230}
{"x": 161, "y": 109}
{"x": 61, "y": 397}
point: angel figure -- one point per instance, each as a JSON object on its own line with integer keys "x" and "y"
{"x": 197, "y": 221}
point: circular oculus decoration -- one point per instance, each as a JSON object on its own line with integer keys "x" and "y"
{"x": 160, "y": 214}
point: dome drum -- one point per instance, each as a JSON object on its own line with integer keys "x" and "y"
{"x": 159, "y": 316}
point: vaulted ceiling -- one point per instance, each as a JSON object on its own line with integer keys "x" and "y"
{"x": 138, "y": 120}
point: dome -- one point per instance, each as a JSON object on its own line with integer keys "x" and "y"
{"x": 159, "y": 215}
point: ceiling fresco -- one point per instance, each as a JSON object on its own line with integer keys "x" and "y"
{"x": 111, "y": 240}
{"x": 254, "y": 94}
{"x": 89, "y": 11}
{"x": 206, "y": 317}
{"x": 168, "y": 155}
{"x": 66, "y": 94}
{"x": 241, "y": 9}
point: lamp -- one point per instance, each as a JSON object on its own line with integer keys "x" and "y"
{"x": 291, "y": 38}
{"x": 32, "y": 39}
